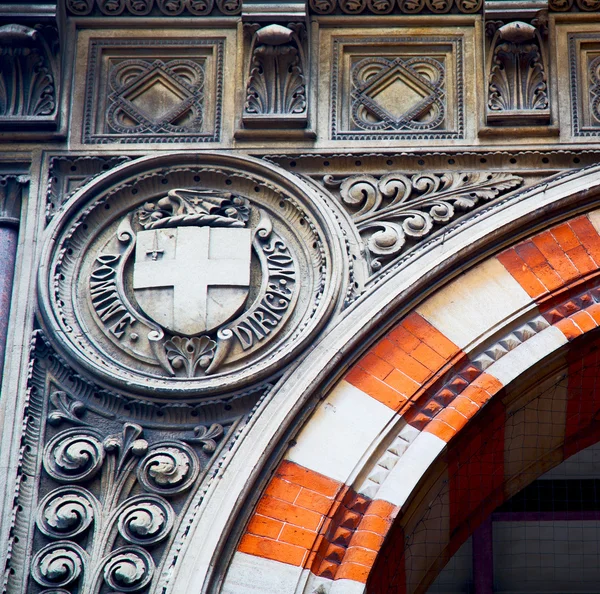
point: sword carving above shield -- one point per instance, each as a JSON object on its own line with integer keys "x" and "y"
{"x": 191, "y": 271}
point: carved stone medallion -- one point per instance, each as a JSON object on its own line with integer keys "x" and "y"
{"x": 182, "y": 275}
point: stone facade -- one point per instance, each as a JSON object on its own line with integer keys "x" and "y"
{"x": 270, "y": 271}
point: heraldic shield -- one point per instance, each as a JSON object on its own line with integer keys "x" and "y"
{"x": 191, "y": 273}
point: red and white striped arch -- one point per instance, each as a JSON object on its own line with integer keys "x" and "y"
{"x": 356, "y": 464}
{"x": 409, "y": 426}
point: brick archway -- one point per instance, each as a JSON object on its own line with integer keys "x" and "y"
{"x": 363, "y": 456}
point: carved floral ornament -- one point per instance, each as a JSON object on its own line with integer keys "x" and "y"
{"x": 186, "y": 275}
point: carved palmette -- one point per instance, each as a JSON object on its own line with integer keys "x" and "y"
{"x": 517, "y": 76}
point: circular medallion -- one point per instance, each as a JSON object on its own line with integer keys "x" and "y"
{"x": 188, "y": 274}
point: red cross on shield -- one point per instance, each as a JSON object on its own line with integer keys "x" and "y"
{"x": 191, "y": 280}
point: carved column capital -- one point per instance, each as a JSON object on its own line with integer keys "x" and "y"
{"x": 11, "y": 194}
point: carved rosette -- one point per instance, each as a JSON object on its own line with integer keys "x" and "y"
{"x": 179, "y": 276}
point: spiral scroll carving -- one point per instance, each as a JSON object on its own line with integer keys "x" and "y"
{"x": 145, "y": 520}
{"x": 74, "y": 456}
{"x": 66, "y": 512}
{"x": 128, "y": 569}
{"x": 396, "y": 208}
{"x": 169, "y": 469}
{"x": 58, "y": 564}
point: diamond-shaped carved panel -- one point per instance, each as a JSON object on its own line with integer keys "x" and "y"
{"x": 584, "y": 59}
{"x": 397, "y": 88}
{"x": 154, "y": 90}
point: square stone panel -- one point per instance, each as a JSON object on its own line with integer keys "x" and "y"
{"x": 584, "y": 64}
{"x": 153, "y": 90}
{"x": 397, "y": 88}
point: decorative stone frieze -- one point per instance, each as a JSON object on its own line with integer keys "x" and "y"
{"x": 517, "y": 87}
{"x": 397, "y": 88}
{"x": 154, "y": 90}
{"x": 395, "y": 211}
{"x": 381, "y": 7}
{"x": 194, "y": 274}
{"x": 29, "y": 77}
{"x": 168, "y": 8}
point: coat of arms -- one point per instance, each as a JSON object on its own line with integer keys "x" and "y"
{"x": 174, "y": 285}
{"x": 192, "y": 260}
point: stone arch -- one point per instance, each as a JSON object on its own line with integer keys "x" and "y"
{"x": 207, "y": 560}
{"x": 345, "y": 479}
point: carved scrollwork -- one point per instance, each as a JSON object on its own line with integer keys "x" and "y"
{"x": 80, "y": 7}
{"x": 206, "y": 436}
{"x": 66, "y": 512}
{"x": 128, "y": 569}
{"x": 146, "y": 7}
{"x": 381, "y": 6}
{"x": 74, "y": 456}
{"x": 588, "y": 5}
{"x": 352, "y": 6}
{"x": 58, "y": 564}
{"x": 145, "y": 520}
{"x": 139, "y": 7}
{"x": 388, "y": 6}
{"x": 396, "y": 208}
{"x": 469, "y": 6}
{"x": 111, "y": 7}
{"x": 230, "y": 7}
{"x": 168, "y": 469}
{"x": 66, "y": 408}
{"x": 323, "y": 6}
{"x": 561, "y": 5}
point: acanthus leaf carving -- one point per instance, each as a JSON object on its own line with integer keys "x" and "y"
{"x": 517, "y": 83}
{"x": 206, "y": 436}
{"x": 396, "y": 209}
{"x": 276, "y": 88}
{"x": 28, "y": 75}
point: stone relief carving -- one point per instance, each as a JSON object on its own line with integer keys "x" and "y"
{"x": 189, "y": 278}
{"x": 389, "y": 6}
{"x": 66, "y": 174}
{"x": 276, "y": 89}
{"x": 568, "y": 5}
{"x": 517, "y": 75}
{"x": 105, "y": 481}
{"x": 11, "y": 197}
{"x": 378, "y": 85}
{"x": 29, "y": 76}
{"x": 584, "y": 63}
{"x": 154, "y": 90}
{"x": 395, "y": 211}
{"x": 153, "y": 7}
{"x": 402, "y": 89}
{"x": 142, "y": 103}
